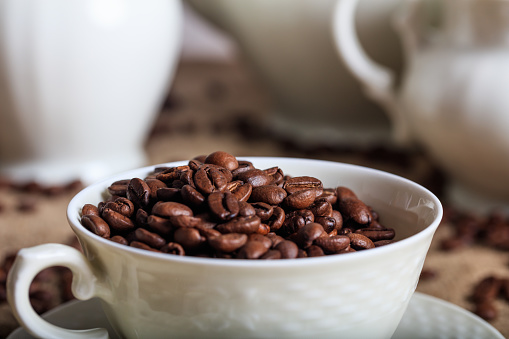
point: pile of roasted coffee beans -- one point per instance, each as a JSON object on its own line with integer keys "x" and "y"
{"x": 484, "y": 294}
{"x": 218, "y": 206}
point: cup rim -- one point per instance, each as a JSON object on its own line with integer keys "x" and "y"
{"x": 73, "y": 215}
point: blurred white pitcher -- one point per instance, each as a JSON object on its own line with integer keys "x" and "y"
{"x": 289, "y": 43}
{"x": 81, "y": 83}
{"x": 453, "y": 97}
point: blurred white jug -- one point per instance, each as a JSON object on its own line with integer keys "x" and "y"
{"x": 289, "y": 44}
{"x": 453, "y": 97}
{"x": 81, "y": 83}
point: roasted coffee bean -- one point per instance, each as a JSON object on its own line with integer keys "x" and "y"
{"x": 276, "y": 174}
{"x": 121, "y": 205}
{"x": 276, "y": 239}
{"x": 486, "y": 310}
{"x": 171, "y": 174}
{"x": 426, "y": 274}
{"x": 353, "y": 208}
{"x": 210, "y": 179}
{"x": 90, "y": 209}
{"x": 246, "y": 209}
{"x": 141, "y": 217}
{"x": 314, "y": 251}
{"x": 343, "y": 192}
{"x": 381, "y": 243}
{"x": 119, "y": 187}
{"x": 245, "y": 225}
{"x": 374, "y": 224}
{"x": 263, "y": 211}
{"x": 187, "y": 178}
{"x": 96, "y": 225}
{"x": 206, "y": 221}
{"x": 160, "y": 225}
{"x": 185, "y": 221}
{"x": 328, "y": 223}
{"x": 119, "y": 240}
{"x": 224, "y": 206}
{"x": 377, "y": 234}
{"x": 453, "y": 243}
{"x": 142, "y": 246}
{"x": 334, "y": 244}
{"x": 263, "y": 229}
{"x": 243, "y": 167}
{"x": 288, "y": 249}
{"x": 27, "y": 204}
{"x": 258, "y": 237}
{"x": 321, "y": 208}
{"x": 240, "y": 190}
{"x": 228, "y": 242}
{"x": 374, "y": 214}
{"x": 191, "y": 196}
{"x": 339, "y": 219}
{"x": 487, "y": 289}
{"x": 302, "y": 199}
{"x": 159, "y": 169}
{"x": 168, "y": 209}
{"x": 255, "y": 177}
{"x": 152, "y": 239}
{"x": 194, "y": 164}
{"x": 189, "y": 238}
{"x": 117, "y": 221}
{"x": 173, "y": 248}
{"x": 138, "y": 192}
{"x": 360, "y": 242}
{"x": 296, "y": 184}
{"x": 222, "y": 159}
{"x": 269, "y": 194}
{"x": 329, "y": 194}
{"x": 307, "y": 215}
{"x": 271, "y": 255}
{"x": 345, "y": 231}
{"x": 208, "y": 232}
{"x": 277, "y": 219}
{"x": 504, "y": 289}
{"x": 169, "y": 194}
{"x": 291, "y": 225}
{"x": 308, "y": 234}
{"x": 252, "y": 250}
{"x": 154, "y": 185}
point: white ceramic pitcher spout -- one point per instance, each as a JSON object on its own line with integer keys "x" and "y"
{"x": 378, "y": 81}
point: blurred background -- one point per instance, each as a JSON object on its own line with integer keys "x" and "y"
{"x": 415, "y": 88}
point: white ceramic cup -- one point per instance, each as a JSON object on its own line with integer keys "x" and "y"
{"x": 155, "y": 295}
{"x": 81, "y": 83}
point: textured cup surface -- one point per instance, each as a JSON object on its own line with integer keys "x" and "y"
{"x": 355, "y": 295}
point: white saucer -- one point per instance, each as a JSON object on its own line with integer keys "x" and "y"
{"x": 426, "y": 318}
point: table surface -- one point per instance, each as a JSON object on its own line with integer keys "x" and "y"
{"x": 220, "y": 106}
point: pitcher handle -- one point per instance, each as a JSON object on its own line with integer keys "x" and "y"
{"x": 29, "y": 262}
{"x": 377, "y": 80}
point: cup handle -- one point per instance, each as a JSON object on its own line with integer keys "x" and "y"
{"x": 378, "y": 81}
{"x": 29, "y": 262}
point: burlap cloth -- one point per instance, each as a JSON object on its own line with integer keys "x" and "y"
{"x": 215, "y": 106}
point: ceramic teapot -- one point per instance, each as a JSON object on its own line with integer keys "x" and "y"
{"x": 452, "y": 98}
{"x": 289, "y": 45}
